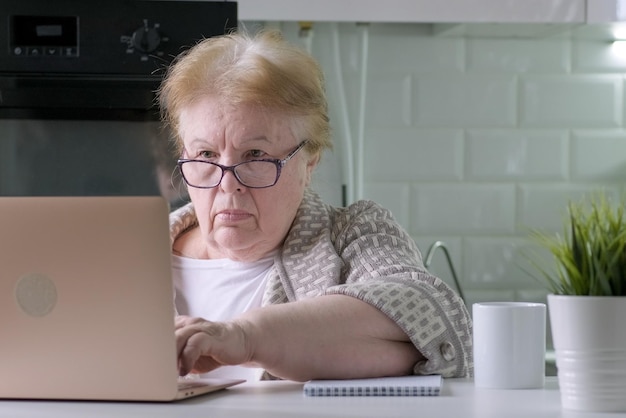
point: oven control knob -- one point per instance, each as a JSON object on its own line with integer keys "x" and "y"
{"x": 146, "y": 39}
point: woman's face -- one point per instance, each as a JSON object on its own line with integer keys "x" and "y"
{"x": 237, "y": 222}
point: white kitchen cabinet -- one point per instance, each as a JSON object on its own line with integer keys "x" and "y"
{"x": 602, "y": 11}
{"x": 425, "y": 11}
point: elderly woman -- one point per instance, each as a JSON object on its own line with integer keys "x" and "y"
{"x": 269, "y": 278}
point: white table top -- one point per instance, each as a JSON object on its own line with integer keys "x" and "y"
{"x": 459, "y": 398}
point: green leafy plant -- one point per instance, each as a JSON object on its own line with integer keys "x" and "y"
{"x": 590, "y": 257}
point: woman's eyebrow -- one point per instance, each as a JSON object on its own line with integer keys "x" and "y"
{"x": 256, "y": 139}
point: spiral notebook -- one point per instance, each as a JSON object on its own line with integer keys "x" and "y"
{"x": 384, "y": 386}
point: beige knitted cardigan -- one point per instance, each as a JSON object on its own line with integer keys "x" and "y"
{"x": 361, "y": 251}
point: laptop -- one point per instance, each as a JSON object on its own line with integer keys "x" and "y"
{"x": 86, "y": 301}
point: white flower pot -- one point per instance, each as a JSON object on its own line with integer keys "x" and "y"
{"x": 589, "y": 335}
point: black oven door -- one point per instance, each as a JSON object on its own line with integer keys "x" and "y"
{"x": 77, "y": 92}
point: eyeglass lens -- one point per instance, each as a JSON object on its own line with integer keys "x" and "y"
{"x": 249, "y": 173}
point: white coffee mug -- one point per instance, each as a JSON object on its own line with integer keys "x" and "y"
{"x": 509, "y": 345}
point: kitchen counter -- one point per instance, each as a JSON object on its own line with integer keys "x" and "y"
{"x": 277, "y": 399}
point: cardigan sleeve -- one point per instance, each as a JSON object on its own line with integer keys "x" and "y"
{"x": 361, "y": 251}
{"x": 383, "y": 267}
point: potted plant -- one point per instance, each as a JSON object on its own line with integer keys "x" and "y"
{"x": 587, "y": 303}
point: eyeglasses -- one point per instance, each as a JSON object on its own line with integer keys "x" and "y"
{"x": 255, "y": 174}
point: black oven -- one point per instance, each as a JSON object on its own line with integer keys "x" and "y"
{"x": 77, "y": 92}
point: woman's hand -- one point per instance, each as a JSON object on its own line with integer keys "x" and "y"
{"x": 204, "y": 345}
{"x": 326, "y": 337}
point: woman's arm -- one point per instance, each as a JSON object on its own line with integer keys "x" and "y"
{"x": 332, "y": 336}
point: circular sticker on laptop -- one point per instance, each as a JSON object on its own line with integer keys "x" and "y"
{"x": 36, "y": 294}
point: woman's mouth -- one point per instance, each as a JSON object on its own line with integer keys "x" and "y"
{"x": 233, "y": 215}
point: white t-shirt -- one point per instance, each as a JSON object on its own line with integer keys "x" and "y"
{"x": 219, "y": 290}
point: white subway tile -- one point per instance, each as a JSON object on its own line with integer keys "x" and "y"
{"x": 399, "y": 50}
{"x": 323, "y": 46}
{"x": 451, "y": 209}
{"x": 488, "y": 295}
{"x": 598, "y": 57}
{"x": 465, "y": 101}
{"x": 544, "y": 206}
{"x": 518, "y": 55}
{"x": 350, "y": 45}
{"x": 599, "y": 156}
{"x": 571, "y": 101}
{"x": 388, "y": 101}
{"x": 438, "y": 265}
{"x": 509, "y": 32}
{"x": 327, "y": 179}
{"x": 517, "y": 154}
{"x": 393, "y": 196}
{"x": 413, "y": 154}
{"x": 538, "y": 295}
{"x": 496, "y": 263}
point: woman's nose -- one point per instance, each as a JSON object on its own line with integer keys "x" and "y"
{"x": 230, "y": 183}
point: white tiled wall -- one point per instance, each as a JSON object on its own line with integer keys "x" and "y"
{"x": 473, "y": 141}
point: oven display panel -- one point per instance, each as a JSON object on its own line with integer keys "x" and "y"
{"x": 44, "y": 36}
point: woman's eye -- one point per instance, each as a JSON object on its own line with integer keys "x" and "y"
{"x": 256, "y": 153}
{"x": 206, "y": 155}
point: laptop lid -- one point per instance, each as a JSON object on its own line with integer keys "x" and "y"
{"x": 86, "y": 299}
